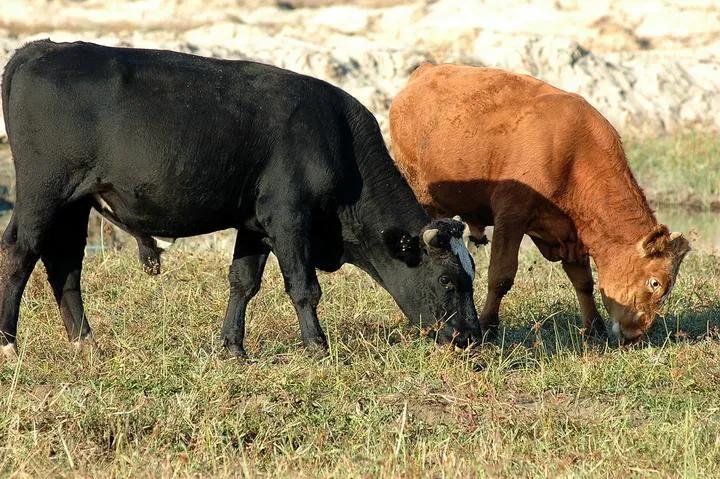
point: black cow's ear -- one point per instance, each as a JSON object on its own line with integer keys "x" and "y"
{"x": 402, "y": 246}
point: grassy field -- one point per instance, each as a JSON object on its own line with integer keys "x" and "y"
{"x": 158, "y": 398}
{"x": 681, "y": 170}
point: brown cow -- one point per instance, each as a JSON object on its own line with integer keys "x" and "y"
{"x": 512, "y": 151}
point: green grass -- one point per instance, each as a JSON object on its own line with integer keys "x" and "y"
{"x": 680, "y": 170}
{"x": 159, "y": 399}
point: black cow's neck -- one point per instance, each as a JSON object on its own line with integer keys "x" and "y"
{"x": 386, "y": 203}
{"x": 386, "y": 200}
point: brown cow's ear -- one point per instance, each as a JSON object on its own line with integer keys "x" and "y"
{"x": 656, "y": 242}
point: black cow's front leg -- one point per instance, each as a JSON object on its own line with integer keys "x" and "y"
{"x": 149, "y": 254}
{"x": 245, "y": 276}
{"x": 290, "y": 234}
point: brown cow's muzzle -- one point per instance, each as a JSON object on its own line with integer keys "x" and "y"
{"x": 628, "y": 324}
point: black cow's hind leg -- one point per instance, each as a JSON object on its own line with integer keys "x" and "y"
{"x": 149, "y": 254}
{"x": 245, "y": 276}
{"x": 289, "y": 230}
{"x": 18, "y": 261}
{"x": 62, "y": 256}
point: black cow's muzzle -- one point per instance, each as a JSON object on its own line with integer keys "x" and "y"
{"x": 462, "y": 338}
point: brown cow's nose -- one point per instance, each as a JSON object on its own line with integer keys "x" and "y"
{"x": 627, "y": 335}
{"x": 631, "y": 336}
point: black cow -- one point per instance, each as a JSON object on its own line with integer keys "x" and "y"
{"x": 173, "y": 145}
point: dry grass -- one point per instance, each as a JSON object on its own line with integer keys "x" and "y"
{"x": 158, "y": 399}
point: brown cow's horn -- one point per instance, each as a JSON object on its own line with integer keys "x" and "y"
{"x": 429, "y": 235}
{"x": 679, "y": 244}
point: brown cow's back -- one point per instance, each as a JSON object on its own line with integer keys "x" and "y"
{"x": 459, "y": 133}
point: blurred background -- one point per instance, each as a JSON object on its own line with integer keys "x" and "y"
{"x": 651, "y": 67}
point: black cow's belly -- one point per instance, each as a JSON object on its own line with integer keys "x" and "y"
{"x": 173, "y": 217}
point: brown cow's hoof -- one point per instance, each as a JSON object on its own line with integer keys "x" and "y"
{"x": 596, "y": 331}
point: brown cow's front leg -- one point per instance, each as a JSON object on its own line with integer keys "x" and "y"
{"x": 580, "y": 276}
{"x": 504, "y": 250}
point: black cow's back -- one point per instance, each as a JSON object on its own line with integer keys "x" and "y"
{"x": 178, "y": 144}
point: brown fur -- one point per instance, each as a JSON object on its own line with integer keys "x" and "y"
{"x": 512, "y": 151}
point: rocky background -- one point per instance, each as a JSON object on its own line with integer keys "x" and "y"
{"x": 651, "y": 67}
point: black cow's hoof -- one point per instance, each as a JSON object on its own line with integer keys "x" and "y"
{"x": 490, "y": 334}
{"x": 152, "y": 267}
{"x": 316, "y": 347}
{"x": 9, "y": 352}
{"x": 152, "y": 270}
{"x": 234, "y": 351}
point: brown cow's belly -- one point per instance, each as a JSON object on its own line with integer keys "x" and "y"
{"x": 550, "y": 229}
{"x": 556, "y": 237}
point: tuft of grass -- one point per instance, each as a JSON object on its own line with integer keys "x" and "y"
{"x": 680, "y": 170}
{"x": 157, "y": 398}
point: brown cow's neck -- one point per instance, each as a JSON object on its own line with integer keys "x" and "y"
{"x": 613, "y": 214}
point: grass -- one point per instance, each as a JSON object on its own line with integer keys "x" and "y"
{"x": 681, "y": 170}
{"x": 158, "y": 399}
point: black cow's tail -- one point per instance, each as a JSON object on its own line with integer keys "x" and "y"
{"x": 22, "y": 55}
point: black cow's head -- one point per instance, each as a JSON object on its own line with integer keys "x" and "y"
{"x": 431, "y": 279}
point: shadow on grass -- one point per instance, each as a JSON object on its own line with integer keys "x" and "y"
{"x": 692, "y": 326}
{"x": 563, "y": 333}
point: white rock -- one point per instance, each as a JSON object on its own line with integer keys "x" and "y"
{"x": 371, "y": 51}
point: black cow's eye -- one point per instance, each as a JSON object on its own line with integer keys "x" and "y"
{"x": 444, "y": 280}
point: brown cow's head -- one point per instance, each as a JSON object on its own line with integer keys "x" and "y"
{"x": 636, "y": 282}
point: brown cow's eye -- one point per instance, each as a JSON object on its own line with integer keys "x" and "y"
{"x": 444, "y": 280}
{"x": 653, "y": 284}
